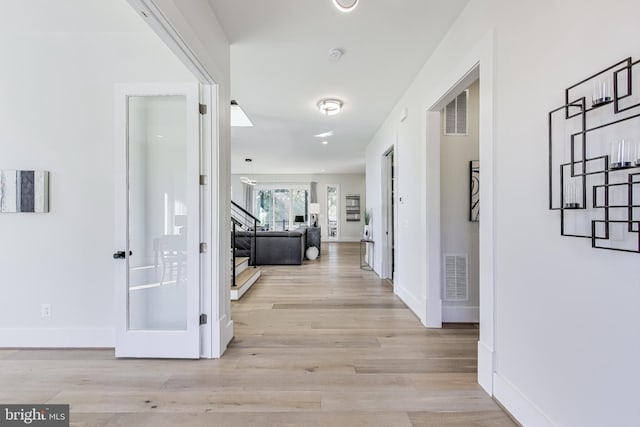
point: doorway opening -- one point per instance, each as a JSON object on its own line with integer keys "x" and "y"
{"x": 459, "y": 207}
{"x": 333, "y": 212}
{"x": 479, "y": 66}
{"x": 389, "y": 215}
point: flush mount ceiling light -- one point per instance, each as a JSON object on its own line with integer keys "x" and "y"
{"x": 330, "y": 107}
{"x": 238, "y": 117}
{"x": 345, "y": 5}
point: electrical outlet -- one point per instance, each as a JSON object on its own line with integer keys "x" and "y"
{"x": 45, "y": 310}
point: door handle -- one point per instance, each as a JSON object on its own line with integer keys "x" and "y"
{"x": 121, "y": 255}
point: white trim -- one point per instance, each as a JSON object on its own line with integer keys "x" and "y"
{"x": 414, "y": 304}
{"x": 460, "y": 314}
{"x": 158, "y": 21}
{"x": 57, "y": 338}
{"x": 386, "y": 269}
{"x": 523, "y": 409}
{"x": 486, "y": 367}
{"x": 477, "y": 63}
{"x": 209, "y": 97}
{"x": 216, "y": 334}
{"x": 225, "y": 326}
{"x": 434, "y": 253}
{"x": 433, "y": 315}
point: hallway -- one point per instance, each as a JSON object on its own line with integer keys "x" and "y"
{"x": 323, "y": 344}
{"x": 333, "y": 345}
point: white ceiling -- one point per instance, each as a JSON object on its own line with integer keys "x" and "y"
{"x": 280, "y": 69}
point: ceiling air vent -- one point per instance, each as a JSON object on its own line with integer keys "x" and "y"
{"x": 455, "y": 115}
{"x": 456, "y": 278}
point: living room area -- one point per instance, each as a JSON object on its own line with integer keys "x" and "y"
{"x": 287, "y": 219}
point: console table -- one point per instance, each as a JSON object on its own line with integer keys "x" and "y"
{"x": 364, "y": 263}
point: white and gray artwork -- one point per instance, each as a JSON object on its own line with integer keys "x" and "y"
{"x": 24, "y": 191}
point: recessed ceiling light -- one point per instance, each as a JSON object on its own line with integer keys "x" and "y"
{"x": 238, "y": 116}
{"x": 325, "y": 142}
{"x": 324, "y": 135}
{"x": 345, "y": 5}
{"x": 330, "y": 106}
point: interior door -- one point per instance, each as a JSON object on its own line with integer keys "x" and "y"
{"x": 157, "y": 221}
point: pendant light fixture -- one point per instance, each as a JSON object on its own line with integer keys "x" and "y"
{"x": 246, "y": 180}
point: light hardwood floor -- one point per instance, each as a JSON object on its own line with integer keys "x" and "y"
{"x": 323, "y": 344}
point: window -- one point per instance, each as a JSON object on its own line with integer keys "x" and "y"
{"x": 277, "y": 207}
{"x": 455, "y": 115}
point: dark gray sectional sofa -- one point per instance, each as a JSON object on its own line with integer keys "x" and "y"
{"x": 272, "y": 247}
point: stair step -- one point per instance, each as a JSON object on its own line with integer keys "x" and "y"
{"x": 244, "y": 281}
{"x": 242, "y": 264}
{"x": 241, "y": 259}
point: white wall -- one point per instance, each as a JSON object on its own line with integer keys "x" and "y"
{"x": 56, "y": 85}
{"x": 565, "y": 331}
{"x": 350, "y": 231}
{"x": 458, "y": 234}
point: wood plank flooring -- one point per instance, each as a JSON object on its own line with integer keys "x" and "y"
{"x": 322, "y": 344}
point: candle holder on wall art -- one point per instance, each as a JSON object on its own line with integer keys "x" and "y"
{"x": 571, "y": 195}
{"x": 621, "y": 157}
{"x": 601, "y": 92}
{"x": 594, "y": 174}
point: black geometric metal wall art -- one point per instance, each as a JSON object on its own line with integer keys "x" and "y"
{"x": 474, "y": 190}
{"x": 594, "y": 158}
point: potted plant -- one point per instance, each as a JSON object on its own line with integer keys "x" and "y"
{"x": 367, "y": 221}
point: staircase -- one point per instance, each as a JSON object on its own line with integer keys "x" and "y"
{"x": 245, "y": 277}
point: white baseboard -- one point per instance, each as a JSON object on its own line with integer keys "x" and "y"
{"x": 525, "y": 411}
{"x": 225, "y": 328}
{"x": 57, "y": 338}
{"x": 414, "y": 304}
{"x": 434, "y": 313}
{"x": 460, "y": 314}
{"x": 226, "y": 335}
{"x": 485, "y": 367}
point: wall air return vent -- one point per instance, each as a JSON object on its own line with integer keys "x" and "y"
{"x": 456, "y": 278}
{"x": 455, "y": 115}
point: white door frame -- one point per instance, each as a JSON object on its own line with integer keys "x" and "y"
{"x": 217, "y": 332}
{"x": 387, "y": 227}
{"x": 476, "y": 64}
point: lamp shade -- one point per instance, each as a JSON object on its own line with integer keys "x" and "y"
{"x": 314, "y": 208}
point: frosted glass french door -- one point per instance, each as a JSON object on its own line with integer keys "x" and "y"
{"x": 158, "y": 222}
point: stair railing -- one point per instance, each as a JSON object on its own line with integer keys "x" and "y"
{"x": 234, "y": 224}
{"x": 241, "y": 217}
